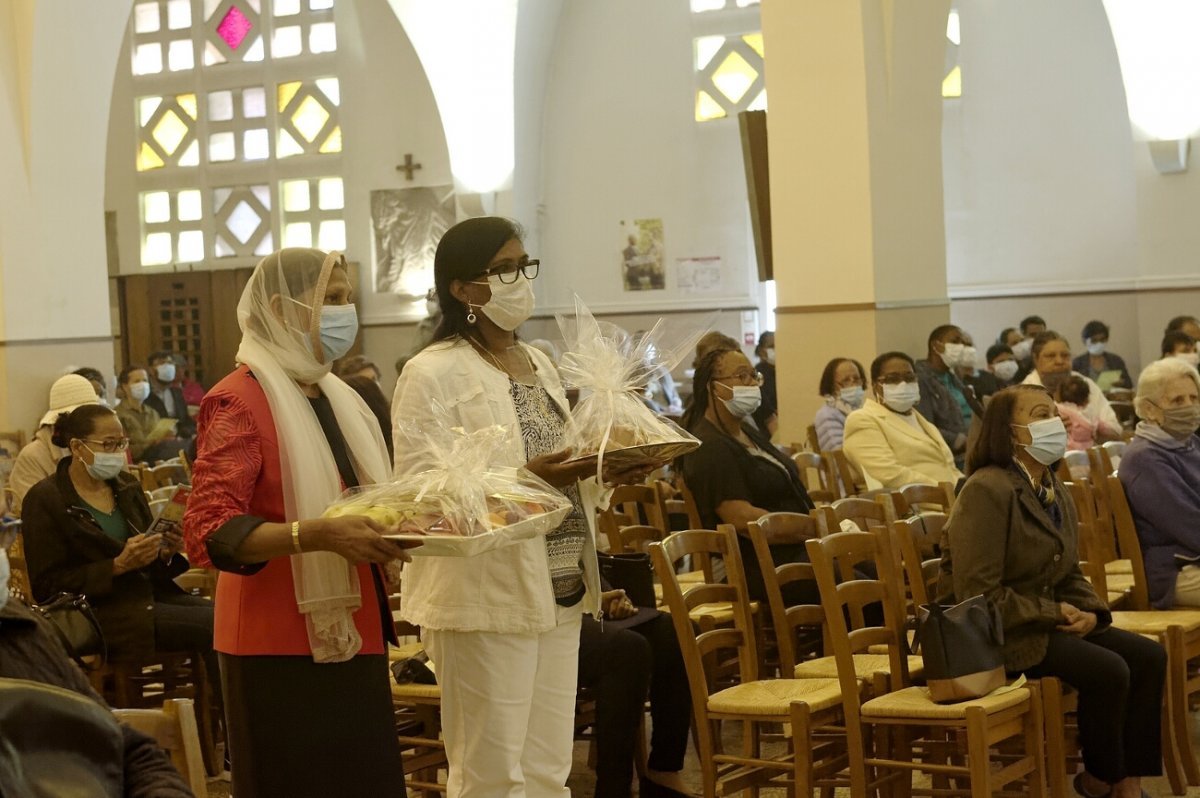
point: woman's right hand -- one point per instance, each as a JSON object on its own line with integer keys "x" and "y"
{"x": 554, "y": 469}
{"x": 355, "y": 537}
{"x": 139, "y": 551}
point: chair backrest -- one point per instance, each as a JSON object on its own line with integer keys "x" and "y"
{"x": 1119, "y": 394}
{"x": 174, "y": 728}
{"x": 633, "y": 506}
{"x": 918, "y": 497}
{"x": 841, "y": 475}
{"x": 198, "y": 581}
{"x": 916, "y": 546}
{"x": 1092, "y": 555}
{"x": 167, "y": 474}
{"x": 1076, "y": 464}
{"x": 1127, "y": 539}
{"x": 814, "y": 442}
{"x": 1116, "y": 450}
{"x": 699, "y": 647}
{"x": 863, "y": 512}
{"x": 844, "y": 595}
{"x": 1124, "y": 412}
{"x": 677, "y": 505}
{"x": 19, "y": 586}
{"x": 777, "y": 528}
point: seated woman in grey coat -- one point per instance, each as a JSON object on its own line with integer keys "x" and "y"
{"x": 1012, "y": 538}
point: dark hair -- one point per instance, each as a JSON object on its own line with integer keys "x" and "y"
{"x": 1002, "y": 338}
{"x": 161, "y": 355}
{"x": 352, "y": 365}
{"x": 1074, "y": 390}
{"x": 700, "y": 382}
{"x": 1176, "y": 324}
{"x": 994, "y": 446}
{"x": 877, "y": 363}
{"x": 826, "y": 387}
{"x": 762, "y": 340}
{"x": 1025, "y": 322}
{"x": 79, "y": 423}
{"x": 996, "y": 350}
{"x": 401, "y": 362}
{"x": 1043, "y": 338}
{"x": 711, "y": 342}
{"x": 464, "y": 253}
{"x": 372, "y": 394}
{"x": 90, "y": 374}
{"x": 1173, "y": 339}
{"x": 938, "y": 332}
{"x": 1094, "y": 328}
{"x": 123, "y": 377}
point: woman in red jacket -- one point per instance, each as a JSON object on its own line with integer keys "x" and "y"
{"x": 301, "y": 612}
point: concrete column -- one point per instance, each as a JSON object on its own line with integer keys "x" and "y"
{"x": 854, "y": 131}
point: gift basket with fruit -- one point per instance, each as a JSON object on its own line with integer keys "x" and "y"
{"x": 611, "y": 368}
{"x": 461, "y": 505}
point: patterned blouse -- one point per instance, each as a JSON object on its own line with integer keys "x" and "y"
{"x": 542, "y": 427}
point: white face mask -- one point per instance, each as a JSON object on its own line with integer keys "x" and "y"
{"x": 952, "y": 355}
{"x": 852, "y": 396}
{"x": 165, "y": 372}
{"x": 1191, "y": 358}
{"x": 770, "y": 355}
{"x": 139, "y": 390}
{"x": 1023, "y": 349}
{"x": 1096, "y": 348}
{"x": 432, "y": 308}
{"x": 901, "y": 397}
{"x": 1006, "y": 369}
{"x": 511, "y": 303}
{"x": 1048, "y": 441}
{"x": 969, "y": 355}
{"x": 745, "y": 400}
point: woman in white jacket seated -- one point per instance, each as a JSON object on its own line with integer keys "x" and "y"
{"x": 889, "y": 441}
{"x": 502, "y": 628}
{"x": 1052, "y": 367}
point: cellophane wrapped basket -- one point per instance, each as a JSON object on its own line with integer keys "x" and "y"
{"x": 610, "y": 368}
{"x": 461, "y": 504}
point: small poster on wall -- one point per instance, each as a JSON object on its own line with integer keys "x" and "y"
{"x": 408, "y": 223}
{"x": 699, "y": 275}
{"x": 643, "y": 264}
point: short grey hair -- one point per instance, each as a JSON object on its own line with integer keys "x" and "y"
{"x": 1154, "y": 378}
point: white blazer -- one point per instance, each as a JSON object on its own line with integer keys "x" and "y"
{"x": 891, "y": 452}
{"x": 503, "y": 590}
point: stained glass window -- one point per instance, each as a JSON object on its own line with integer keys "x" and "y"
{"x": 167, "y": 132}
{"x": 303, "y": 26}
{"x": 171, "y": 227}
{"x": 308, "y": 118}
{"x": 952, "y": 82}
{"x": 730, "y": 75}
{"x": 243, "y": 221}
{"x": 312, "y": 213}
{"x": 162, "y": 37}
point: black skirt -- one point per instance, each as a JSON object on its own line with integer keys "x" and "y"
{"x": 300, "y": 729}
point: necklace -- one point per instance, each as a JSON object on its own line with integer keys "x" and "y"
{"x": 481, "y": 348}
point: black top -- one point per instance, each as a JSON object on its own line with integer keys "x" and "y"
{"x": 186, "y": 428}
{"x": 335, "y": 439}
{"x": 722, "y": 469}
{"x": 770, "y": 399}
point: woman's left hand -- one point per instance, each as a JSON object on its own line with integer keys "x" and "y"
{"x": 172, "y": 544}
{"x": 1078, "y": 622}
{"x": 616, "y": 605}
{"x": 630, "y": 476}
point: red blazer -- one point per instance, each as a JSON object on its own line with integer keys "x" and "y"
{"x": 237, "y": 472}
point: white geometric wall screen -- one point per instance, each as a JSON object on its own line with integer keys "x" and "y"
{"x": 730, "y": 75}
{"x": 225, "y": 91}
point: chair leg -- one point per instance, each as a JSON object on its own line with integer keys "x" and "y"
{"x": 978, "y": 757}
{"x": 802, "y": 760}
{"x": 1177, "y": 663}
{"x": 1035, "y": 728}
{"x": 1172, "y": 757}
{"x": 704, "y": 744}
{"x": 1056, "y": 744}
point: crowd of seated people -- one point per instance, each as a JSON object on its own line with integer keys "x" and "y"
{"x": 992, "y": 427}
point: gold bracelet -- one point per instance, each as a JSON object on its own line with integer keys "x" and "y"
{"x": 296, "y": 537}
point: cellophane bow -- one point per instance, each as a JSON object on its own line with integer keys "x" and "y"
{"x": 460, "y": 490}
{"x": 610, "y": 368}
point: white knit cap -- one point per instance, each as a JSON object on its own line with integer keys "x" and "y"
{"x": 67, "y": 393}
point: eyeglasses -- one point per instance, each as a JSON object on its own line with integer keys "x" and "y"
{"x": 117, "y": 445}
{"x": 744, "y": 377}
{"x": 508, "y": 272}
{"x": 896, "y": 379}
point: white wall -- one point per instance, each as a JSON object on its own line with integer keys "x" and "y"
{"x": 621, "y": 143}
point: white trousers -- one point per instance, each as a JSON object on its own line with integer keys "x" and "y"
{"x": 508, "y": 708}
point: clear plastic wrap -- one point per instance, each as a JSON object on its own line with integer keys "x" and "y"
{"x": 461, "y": 505}
{"x": 611, "y": 369}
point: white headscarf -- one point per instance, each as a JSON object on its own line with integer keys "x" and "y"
{"x": 280, "y": 351}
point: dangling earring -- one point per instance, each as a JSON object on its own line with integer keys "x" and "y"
{"x": 471, "y": 317}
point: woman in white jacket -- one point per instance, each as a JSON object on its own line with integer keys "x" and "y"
{"x": 502, "y": 628}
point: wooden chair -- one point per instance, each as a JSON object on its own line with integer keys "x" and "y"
{"x": 881, "y": 732}
{"x": 159, "y": 494}
{"x": 1075, "y": 466}
{"x": 814, "y": 476}
{"x": 916, "y": 543}
{"x": 19, "y": 586}
{"x": 199, "y": 581}
{"x": 1115, "y": 450}
{"x": 678, "y": 503}
{"x": 1129, "y": 547}
{"x": 418, "y": 711}
{"x": 637, "y": 508}
{"x": 167, "y": 474}
{"x": 1097, "y": 551}
{"x": 1119, "y": 394}
{"x": 814, "y": 443}
{"x": 790, "y": 621}
{"x": 1124, "y": 412}
{"x": 844, "y": 479}
{"x": 863, "y": 512}
{"x": 808, "y": 705}
{"x": 174, "y": 728}
{"x": 917, "y": 498}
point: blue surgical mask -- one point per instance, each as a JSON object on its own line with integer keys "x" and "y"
{"x": 339, "y": 328}
{"x": 852, "y": 396}
{"x": 105, "y": 465}
{"x": 745, "y": 400}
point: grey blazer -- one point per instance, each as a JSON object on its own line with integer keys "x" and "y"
{"x": 1000, "y": 542}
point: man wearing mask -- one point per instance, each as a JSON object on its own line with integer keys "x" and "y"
{"x": 888, "y": 439}
{"x": 945, "y": 401}
{"x": 165, "y": 397}
{"x": 1022, "y": 349}
{"x": 1002, "y": 365}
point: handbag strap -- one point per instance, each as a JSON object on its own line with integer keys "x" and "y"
{"x": 81, "y": 604}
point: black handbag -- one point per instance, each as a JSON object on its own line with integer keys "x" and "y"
{"x": 72, "y": 619}
{"x": 632, "y": 573}
{"x": 962, "y": 648}
{"x": 413, "y": 670}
